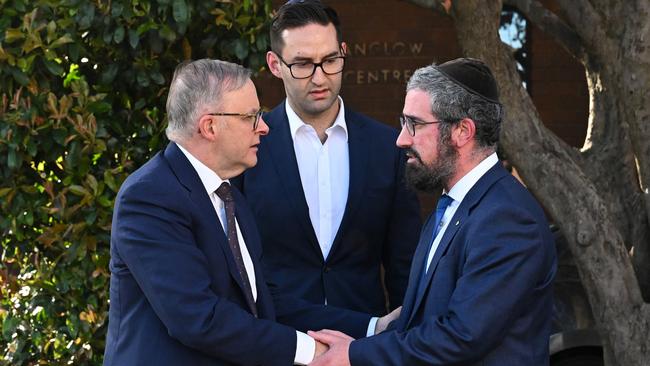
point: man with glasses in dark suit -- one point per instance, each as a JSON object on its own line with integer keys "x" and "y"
{"x": 337, "y": 223}
{"x": 480, "y": 290}
{"x": 187, "y": 285}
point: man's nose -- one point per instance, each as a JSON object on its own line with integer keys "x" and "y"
{"x": 404, "y": 139}
{"x": 319, "y": 75}
{"x": 262, "y": 127}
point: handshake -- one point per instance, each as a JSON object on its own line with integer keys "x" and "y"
{"x": 332, "y": 346}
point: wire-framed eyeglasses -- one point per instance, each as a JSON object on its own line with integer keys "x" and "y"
{"x": 256, "y": 121}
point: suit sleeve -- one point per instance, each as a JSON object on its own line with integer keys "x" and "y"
{"x": 506, "y": 260}
{"x": 304, "y": 315}
{"x": 153, "y": 236}
{"x": 402, "y": 236}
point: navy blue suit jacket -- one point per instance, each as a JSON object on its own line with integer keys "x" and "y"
{"x": 488, "y": 293}
{"x": 380, "y": 224}
{"x": 176, "y": 296}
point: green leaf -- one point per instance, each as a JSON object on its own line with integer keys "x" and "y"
{"x": 108, "y": 36}
{"x": 91, "y": 217}
{"x": 116, "y": 9}
{"x": 167, "y": 34}
{"x": 134, "y": 38}
{"x": 65, "y": 39}
{"x": 29, "y": 218}
{"x": 241, "y": 49}
{"x": 13, "y": 34}
{"x": 109, "y": 74}
{"x": 19, "y": 76}
{"x": 105, "y": 201}
{"x": 86, "y": 15}
{"x": 261, "y": 43}
{"x": 118, "y": 36}
{"x": 9, "y": 326}
{"x": 53, "y": 67}
{"x": 142, "y": 28}
{"x": 180, "y": 11}
{"x": 92, "y": 182}
{"x": 78, "y": 190}
{"x": 143, "y": 79}
{"x": 108, "y": 179}
{"x": 157, "y": 78}
{"x": 243, "y": 20}
{"x": 99, "y": 107}
{"x": 13, "y": 159}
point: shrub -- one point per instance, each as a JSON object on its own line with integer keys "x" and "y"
{"x": 82, "y": 92}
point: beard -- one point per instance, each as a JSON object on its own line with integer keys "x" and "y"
{"x": 432, "y": 178}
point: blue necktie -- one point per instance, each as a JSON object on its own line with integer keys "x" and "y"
{"x": 443, "y": 202}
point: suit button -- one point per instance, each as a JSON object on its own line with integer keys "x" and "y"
{"x": 327, "y": 269}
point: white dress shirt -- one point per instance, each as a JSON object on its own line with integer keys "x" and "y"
{"x": 305, "y": 346}
{"x": 325, "y": 175}
{"x": 324, "y": 172}
{"x": 457, "y": 193}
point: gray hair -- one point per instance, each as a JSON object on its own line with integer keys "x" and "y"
{"x": 197, "y": 86}
{"x": 451, "y": 103}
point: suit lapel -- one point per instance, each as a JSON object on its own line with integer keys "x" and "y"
{"x": 280, "y": 146}
{"x": 452, "y": 228}
{"x": 415, "y": 274}
{"x": 462, "y": 214}
{"x": 190, "y": 179}
{"x": 358, "y": 155}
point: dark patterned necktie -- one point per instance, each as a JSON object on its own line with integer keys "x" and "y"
{"x": 225, "y": 193}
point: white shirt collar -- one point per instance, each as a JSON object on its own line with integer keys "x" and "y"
{"x": 209, "y": 178}
{"x": 295, "y": 122}
{"x": 462, "y": 187}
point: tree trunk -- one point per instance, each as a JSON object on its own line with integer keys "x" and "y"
{"x": 598, "y": 196}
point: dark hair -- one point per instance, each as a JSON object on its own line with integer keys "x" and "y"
{"x": 298, "y": 13}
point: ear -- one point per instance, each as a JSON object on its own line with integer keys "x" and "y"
{"x": 344, "y": 47}
{"x": 207, "y": 128}
{"x": 464, "y": 132}
{"x": 273, "y": 62}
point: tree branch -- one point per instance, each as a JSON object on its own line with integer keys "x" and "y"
{"x": 438, "y": 5}
{"x": 588, "y": 23}
{"x": 551, "y": 24}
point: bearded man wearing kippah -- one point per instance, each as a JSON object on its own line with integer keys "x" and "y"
{"x": 480, "y": 286}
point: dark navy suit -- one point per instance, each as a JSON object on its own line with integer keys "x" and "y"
{"x": 487, "y": 299}
{"x": 176, "y": 296}
{"x": 380, "y": 224}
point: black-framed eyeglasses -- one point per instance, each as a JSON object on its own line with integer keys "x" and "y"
{"x": 305, "y": 69}
{"x": 410, "y": 123}
{"x": 257, "y": 115}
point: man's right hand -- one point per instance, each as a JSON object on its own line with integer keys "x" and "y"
{"x": 384, "y": 321}
{"x": 320, "y": 349}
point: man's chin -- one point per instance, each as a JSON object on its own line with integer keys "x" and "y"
{"x": 319, "y": 106}
{"x": 419, "y": 178}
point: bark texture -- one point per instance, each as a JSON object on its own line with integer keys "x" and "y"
{"x": 598, "y": 195}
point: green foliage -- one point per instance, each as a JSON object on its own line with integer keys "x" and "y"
{"x": 82, "y": 92}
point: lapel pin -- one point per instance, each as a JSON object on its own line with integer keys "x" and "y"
{"x": 457, "y": 222}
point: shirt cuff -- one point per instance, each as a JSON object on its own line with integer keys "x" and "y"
{"x": 371, "y": 326}
{"x": 305, "y": 349}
